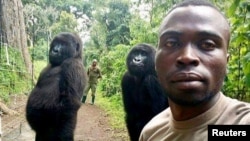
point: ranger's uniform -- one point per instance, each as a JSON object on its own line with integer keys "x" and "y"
{"x": 94, "y": 74}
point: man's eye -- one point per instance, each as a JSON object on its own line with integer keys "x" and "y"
{"x": 208, "y": 45}
{"x": 171, "y": 43}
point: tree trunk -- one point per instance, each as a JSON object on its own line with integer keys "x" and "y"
{"x": 12, "y": 28}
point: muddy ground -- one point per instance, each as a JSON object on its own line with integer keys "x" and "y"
{"x": 93, "y": 124}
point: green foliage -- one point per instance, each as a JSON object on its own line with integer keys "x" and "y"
{"x": 114, "y": 107}
{"x": 110, "y": 24}
{"x": 144, "y": 27}
{"x": 237, "y": 82}
{"x": 233, "y": 7}
{"x": 40, "y": 51}
{"x": 246, "y": 69}
{"x": 66, "y": 23}
{"x": 142, "y": 32}
{"x": 38, "y": 67}
{"x": 60, "y": 5}
{"x": 90, "y": 54}
{"x": 38, "y": 20}
{"x": 117, "y": 19}
{"x": 13, "y": 76}
{"x": 113, "y": 66}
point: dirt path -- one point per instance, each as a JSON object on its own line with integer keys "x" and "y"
{"x": 92, "y": 125}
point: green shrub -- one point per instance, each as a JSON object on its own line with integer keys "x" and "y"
{"x": 14, "y": 78}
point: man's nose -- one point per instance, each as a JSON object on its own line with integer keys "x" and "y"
{"x": 188, "y": 56}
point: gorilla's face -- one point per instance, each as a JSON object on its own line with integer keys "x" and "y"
{"x": 62, "y": 47}
{"x": 140, "y": 60}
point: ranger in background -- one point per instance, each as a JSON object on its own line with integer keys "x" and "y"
{"x": 94, "y": 74}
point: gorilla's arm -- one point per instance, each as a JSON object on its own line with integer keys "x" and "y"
{"x": 129, "y": 92}
{"x": 71, "y": 81}
{"x": 156, "y": 93}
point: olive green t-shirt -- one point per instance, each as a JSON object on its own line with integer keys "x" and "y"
{"x": 163, "y": 127}
{"x": 94, "y": 73}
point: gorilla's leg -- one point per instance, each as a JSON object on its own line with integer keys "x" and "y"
{"x": 65, "y": 131}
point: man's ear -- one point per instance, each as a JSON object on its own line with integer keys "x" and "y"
{"x": 228, "y": 57}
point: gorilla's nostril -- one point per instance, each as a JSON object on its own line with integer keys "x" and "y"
{"x": 56, "y": 48}
{"x": 136, "y": 60}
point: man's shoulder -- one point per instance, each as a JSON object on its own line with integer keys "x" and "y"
{"x": 157, "y": 124}
{"x": 97, "y": 68}
{"x": 237, "y": 102}
{"x": 240, "y": 108}
{"x": 160, "y": 119}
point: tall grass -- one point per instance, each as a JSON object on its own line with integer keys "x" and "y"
{"x": 114, "y": 108}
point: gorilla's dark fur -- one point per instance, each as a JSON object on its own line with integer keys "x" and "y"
{"x": 143, "y": 96}
{"x": 54, "y": 102}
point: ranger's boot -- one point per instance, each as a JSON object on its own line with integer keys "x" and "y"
{"x": 93, "y": 100}
{"x": 84, "y": 99}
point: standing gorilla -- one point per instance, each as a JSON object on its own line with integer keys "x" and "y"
{"x": 53, "y": 104}
{"x": 143, "y": 96}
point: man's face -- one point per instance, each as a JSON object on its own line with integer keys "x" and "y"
{"x": 94, "y": 64}
{"x": 192, "y": 54}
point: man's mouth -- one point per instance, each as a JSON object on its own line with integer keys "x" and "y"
{"x": 186, "y": 77}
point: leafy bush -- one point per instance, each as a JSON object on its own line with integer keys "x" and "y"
{"x": 38, "y": 67}
{"x": 14, "y": 78}
{"x": 114, "y": 107}
{"x": 238, "y": 78}
{"x": 40, "y": 51}
{"x": 113, "y": 65}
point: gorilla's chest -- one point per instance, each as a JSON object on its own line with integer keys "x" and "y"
{"x": 51, "y": 77}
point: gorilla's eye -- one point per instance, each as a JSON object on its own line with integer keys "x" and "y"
{"x": 143, "y": 53}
